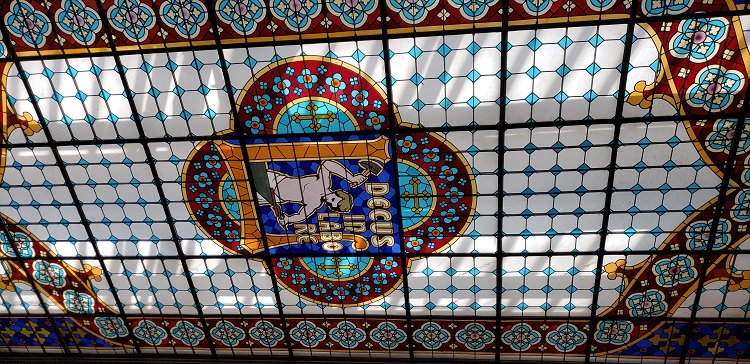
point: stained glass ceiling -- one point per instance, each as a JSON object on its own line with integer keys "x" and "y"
{"x": 407, "y": 179}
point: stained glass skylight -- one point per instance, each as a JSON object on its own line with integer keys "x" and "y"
{"x": 409, "y": 179}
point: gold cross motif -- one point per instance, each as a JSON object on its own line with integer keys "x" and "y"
{"x": 337, "y": 267}
{"x": 312, "y": 108}
{"x": 414, "y": 182}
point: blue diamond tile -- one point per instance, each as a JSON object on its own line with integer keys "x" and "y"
{"x": 532, "y": 98}
{"x": 534, "y": 44}
{"x": 565, "y": 42}
{"x": 596, "y": 40}
{"x": 417, "y": 79}
{"x": 358, "y": 56}
{"x": 533, "y": 72}
{"x": 445, "y": 77}
{"x": 444, "y": 50}
{"x": 473, "y": 48}
{"x": 473, "y": 75}
{"x": 593, "y": 68}
{"x": 415, "y": 52}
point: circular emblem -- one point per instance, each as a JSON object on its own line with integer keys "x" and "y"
{"x": 337, "y": 209}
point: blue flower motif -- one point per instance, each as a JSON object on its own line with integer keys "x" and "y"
{"x": 698, "y": 39}
{"x": 407, "y": 144}
{"x": 227, "y": 333}
{"x": 360, "y": 98}
{"x": 375, "y": 121}
{"x": 21, "y": 242}
{"x": 185, "y": 16}
{"x": 297, "y": 14}
{"x": 266, "y": 333}
{"x": 202, "y": 179}
{"x": 307, "y": 79}
{"x": 255, "y": 125}
{"x": 299, "y": 279}
{"x": 318, "y": 289}
{"x": 284, "y": 263}
{"x": 111, "y": 327}
{"x": 673, "y": 271}
{"x": 435, "y": 232}
{"x": 335, "y": 84}
{"x": 308, "y": 334}
{"x": 188, "y": 333}
{"x": 566, "y": 338}
{"x": 28, "y": 23}
{"x": 431, "y": 155}
{"x": 388, "y": 335}
{"x": 232, "y": 236}
{"x": 448, "y": 173}
{"x": 214, "y": 220}
{"x": 412, "y": 11}
{"x": 133, "y": 18}
{"x": 81, "y": 22}
{"x": 281, "y": 85}
{"x": 449, "y": 215}
{"x": 78, "y": 302}
{"x": 242, "y": 15}
{"x": 414, "y": 243}
{"x": 348, "y": 335}
{"x": 714, "y": 88}
{"x": 475, "y": 336}
{"x": 720, "y": 139}
{"x": 340, "y": 292}
{"x": 431, "y": 335}
{"x": 698, "y": 234}
{"x": 50, "y": 274}
{"x": 262, "y": 102}
{"x": 204, "y": 200}
{"x": 388, "y": 263}
{"x": 149, "y": 332}
{"x": 650, "y": 303}
{"x": 212, "y": 161}
{"x": 613, "y": 332}
{"x": 363, "y": 289}
{"x": 521, "y": 337}
{"x": 379, "y": 279}
{"x": 454, "y": 194}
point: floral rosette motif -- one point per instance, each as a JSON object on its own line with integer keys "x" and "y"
{"x": 698, "y": 39}
{"x": 714, "y": 88}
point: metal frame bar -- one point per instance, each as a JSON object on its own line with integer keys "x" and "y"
{"x": 611, "y": 170}
{"x": 385, "y": 37}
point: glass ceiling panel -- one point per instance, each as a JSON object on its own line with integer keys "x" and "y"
{"x": 446, "y": 180}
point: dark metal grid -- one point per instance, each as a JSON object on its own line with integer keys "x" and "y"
{"x": 71, "y": 189}
{"x": 243, "y": 145}
{"x": 612, "y": 168}
{"x": 152, "y": 166}
{"x": 402, "y": 129}
{"x": 504, "y": 29}
{"x": 392, "y": 133}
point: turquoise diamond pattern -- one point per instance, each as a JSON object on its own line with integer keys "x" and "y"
{"x": 656, "y": 184}
{"x": 454, "y": 286}
{"x": 544, "y": 287}
{"x": 540, "y": 86}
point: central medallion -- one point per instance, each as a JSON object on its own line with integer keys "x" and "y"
{"x": 341, "y": 207}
